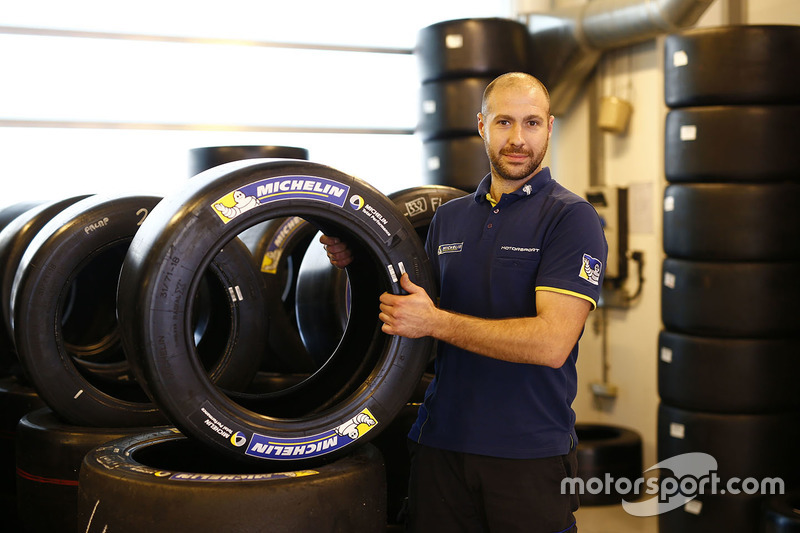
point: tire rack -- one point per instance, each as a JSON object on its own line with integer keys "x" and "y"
{"x": 725, "y": 371}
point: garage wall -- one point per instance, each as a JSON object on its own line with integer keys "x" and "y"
{"x": 634, "y": 160}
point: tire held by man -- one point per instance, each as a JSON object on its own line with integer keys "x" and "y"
{"x": 364, "y": 384}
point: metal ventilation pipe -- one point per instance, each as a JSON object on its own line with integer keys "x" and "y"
{"x": 567, "y": 43}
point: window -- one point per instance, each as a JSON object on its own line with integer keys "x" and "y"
{"x": 108, "y": 97}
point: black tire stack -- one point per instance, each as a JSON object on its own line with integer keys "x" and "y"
{"x": 457, "y": 59}
{"x": 70, "y": 332}
{"x": 256, "y": 439}
{"x": 18, "y": 226}
{"x": 728, "y": 354}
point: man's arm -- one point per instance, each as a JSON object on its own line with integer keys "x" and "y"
{"x": 546, "y": 339}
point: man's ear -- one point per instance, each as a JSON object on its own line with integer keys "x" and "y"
{"x": 480, "y": 125}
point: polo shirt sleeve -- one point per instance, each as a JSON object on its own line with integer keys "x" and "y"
{"x": 574, "y": 255}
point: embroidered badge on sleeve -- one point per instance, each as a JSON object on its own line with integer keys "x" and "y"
{"x": 590, "y": 269}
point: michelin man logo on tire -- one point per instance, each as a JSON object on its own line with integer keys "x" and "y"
{"x": 351, "y": 427}
{"x": 243, "y": 203}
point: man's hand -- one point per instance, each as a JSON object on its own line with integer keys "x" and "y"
{"x": 338, "y": 253}
{"x": 410, "y": 315}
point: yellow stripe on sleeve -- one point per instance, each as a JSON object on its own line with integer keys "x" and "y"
{"x": 570, "y": 293}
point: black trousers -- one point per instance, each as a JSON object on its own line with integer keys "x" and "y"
{"x": 452, "y": 492}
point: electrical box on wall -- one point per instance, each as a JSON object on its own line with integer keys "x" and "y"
{"x": 611, "y": 203}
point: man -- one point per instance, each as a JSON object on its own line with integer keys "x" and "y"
{"x": 519, "y": 265}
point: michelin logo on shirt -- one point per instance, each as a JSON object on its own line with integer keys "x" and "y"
{"x": 590, "y": 269}
{"x": 452, "y": 248}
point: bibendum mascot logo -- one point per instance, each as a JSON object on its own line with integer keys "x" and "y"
{"x": 241, "y": 203}
{"x": 590, "y": 269}
{"x": 356, "y": 426}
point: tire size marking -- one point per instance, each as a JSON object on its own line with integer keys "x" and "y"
{"x": 173, "y": 263}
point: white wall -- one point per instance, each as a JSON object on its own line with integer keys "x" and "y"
{"x": 634, "y": 160}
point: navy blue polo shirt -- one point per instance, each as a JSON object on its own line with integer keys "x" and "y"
{"x": 490, "y": 260}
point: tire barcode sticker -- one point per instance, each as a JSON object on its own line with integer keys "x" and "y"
{"x": 454, "y": 40}
{"x": 680, "y": 58}
{"x": 677, "y": 431}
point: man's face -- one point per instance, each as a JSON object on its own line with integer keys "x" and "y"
{"x": 516, "y": 131}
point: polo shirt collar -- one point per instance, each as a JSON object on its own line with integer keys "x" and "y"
{"x": 531, "y": 187}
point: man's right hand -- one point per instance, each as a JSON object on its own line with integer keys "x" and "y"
{"x": 338, "y": 253}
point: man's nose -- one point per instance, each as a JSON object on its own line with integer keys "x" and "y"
{"x": 516, "y": 136}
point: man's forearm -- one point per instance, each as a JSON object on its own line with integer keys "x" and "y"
{"x": 545, "y": 339}
{"x": 530, "y": 340}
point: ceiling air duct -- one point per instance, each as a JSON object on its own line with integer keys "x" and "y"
{"x": 566, "y": 43}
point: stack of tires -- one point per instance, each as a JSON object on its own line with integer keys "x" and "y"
{"x": 18, "y": 226}
{"x": 728, "y": 354}
{"x": 16, "y": 398}
{"x": 325, "y": 418}
{"x": 142, "y": 327}
{"x": 64, "y": 258}
{"x": 457, "y": 59}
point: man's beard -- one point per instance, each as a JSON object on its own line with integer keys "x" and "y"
{"x": 515, "y": 173}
